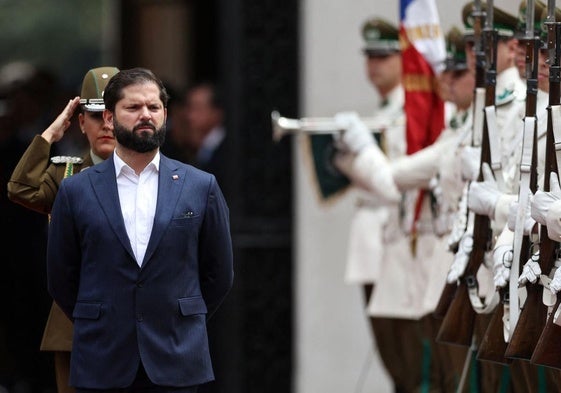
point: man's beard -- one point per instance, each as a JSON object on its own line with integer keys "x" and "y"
{"x": 142, "y": 141}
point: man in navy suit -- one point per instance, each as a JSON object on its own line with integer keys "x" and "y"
{"x": 139, "y": 254}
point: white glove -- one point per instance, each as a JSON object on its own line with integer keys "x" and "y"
{"x": 502, "y": 261}
{"x": 470, "y": 158}
{"x": 531, "y": 270}
{"x": 529, "y": 222}
{"x": 483, "y": 196}
{"x": 355, "y": 135}
{"x": 542, "y": 200}
{"x": 555, "y": 284}
{"x": 461, "y": 258}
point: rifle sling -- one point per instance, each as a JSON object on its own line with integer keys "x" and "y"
{"x": 523, "y": 196}
{"x": 548, "y": 298}
{"x": 476, "y": 302}
{"x": 472, "y": 285}
{"x": 478, "y": 119}
{"x": 494, "y": 145}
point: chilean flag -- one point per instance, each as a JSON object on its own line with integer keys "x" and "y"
{"x": 423, "y": 52}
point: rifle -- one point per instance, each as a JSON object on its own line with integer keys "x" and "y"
{"x": 548, "y": 348}
{"x": 533, "y": 315}
{"x": 445, "y": 300}
{"x": 458, "y": 229}
{"x": 458, "y": 324}
{"x": 494, "y": 345}
{"x": 547, "y": 351}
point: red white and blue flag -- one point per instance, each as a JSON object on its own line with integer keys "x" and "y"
{"x": 423, "y": 52}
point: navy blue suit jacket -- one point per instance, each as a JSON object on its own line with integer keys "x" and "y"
{"x": 123, "y": 313}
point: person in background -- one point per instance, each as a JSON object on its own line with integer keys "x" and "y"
{"x": 204, "y": 118}
{"x": 520, "y": 33}
{"x": 430, "y": 259}
{"x": 165, "y": 264}
{"x": 37, "y": 177}
{"x": 27, "y": 97}
{"x": 197, "y": 133}
{"x": 379, "y": 253}
{"x": 411, "y": 171}
{"x": 175, "y": 145}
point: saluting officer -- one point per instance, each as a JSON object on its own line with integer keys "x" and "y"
{"x": 36, "y": 179}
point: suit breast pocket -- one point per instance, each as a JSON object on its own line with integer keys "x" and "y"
{"x": 186, "y": 220}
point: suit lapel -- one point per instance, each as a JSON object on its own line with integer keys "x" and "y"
{"x": 170, "y": 184}
{"x": 104, "y": 184}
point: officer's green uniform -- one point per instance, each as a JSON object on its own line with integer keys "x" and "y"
{"x": 34, "y": 184}
{"x": 35, "y": 180}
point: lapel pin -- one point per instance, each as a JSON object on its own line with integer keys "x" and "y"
{"x": 175, "y": 177}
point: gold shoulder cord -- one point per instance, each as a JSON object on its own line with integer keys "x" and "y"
{"x": 68, "y": 171}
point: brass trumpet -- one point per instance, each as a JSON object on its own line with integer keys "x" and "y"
{"x": 316, "y": 125}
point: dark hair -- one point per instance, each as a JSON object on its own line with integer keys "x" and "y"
{"x": 114, "y": 89}
{"x": 216, "y": 98}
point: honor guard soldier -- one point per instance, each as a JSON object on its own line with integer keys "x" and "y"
{"x": 380, "y": 254}
{"x": 525, "y": 376}
{"x": 539, "y": 8}
{"x": 547, "y": 377}
{"x": 409, "y": 173}
{"x": 492, "y": 196}
{"x": 510, "y": 100}
{"x": 509, "y": 105}
{"x": 36, "y": 179}
{"x": 455, "y": 57}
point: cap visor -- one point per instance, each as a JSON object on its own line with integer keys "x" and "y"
{"x": 379, "y": 52}
{"x": 94, "y": 107}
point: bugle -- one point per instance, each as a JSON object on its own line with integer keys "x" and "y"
{"x": 317, "y": 125}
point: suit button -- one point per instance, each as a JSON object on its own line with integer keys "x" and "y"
{"x": 139, "y": 284}
{"x": 139, "y": 317}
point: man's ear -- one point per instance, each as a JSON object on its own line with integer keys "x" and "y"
{"x": 108, "y": 117}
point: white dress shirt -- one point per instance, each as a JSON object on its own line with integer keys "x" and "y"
{"x": 138, "y": 195}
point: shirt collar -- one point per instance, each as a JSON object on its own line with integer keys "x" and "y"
{"x": 120, "y": 164}
{"x": 214, "y": 137}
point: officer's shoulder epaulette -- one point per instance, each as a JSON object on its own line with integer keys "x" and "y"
{"x": 66, "y": 160}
